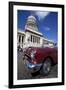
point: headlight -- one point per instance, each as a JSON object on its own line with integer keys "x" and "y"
{"x": 33, "y": 54}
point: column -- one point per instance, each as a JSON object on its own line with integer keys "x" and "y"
{"x": 17, "y": 38}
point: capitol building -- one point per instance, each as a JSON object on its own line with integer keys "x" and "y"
{"x": 31, "y": 37}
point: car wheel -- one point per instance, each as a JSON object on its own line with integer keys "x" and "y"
{"x": 46, "y": 67}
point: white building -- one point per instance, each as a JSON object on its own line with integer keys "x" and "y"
{"x": 31, "y": 35}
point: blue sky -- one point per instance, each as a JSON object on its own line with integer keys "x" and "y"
{"x": 47, "y": 22}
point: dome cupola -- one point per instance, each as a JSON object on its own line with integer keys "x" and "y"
{"x": 31, "y": 23}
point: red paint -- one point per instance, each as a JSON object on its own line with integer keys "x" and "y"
{"x": 42, "y": 53}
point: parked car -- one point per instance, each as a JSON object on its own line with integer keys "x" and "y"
{"x": 40, "y": 59}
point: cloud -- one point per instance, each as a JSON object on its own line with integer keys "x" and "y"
{"x": 41, "y": 15}
{"x": 47, "y": 28}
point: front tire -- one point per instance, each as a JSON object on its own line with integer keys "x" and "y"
{"x": 46, "y": 67}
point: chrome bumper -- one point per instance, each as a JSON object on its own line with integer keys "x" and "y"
{"x": 32, "y": 67}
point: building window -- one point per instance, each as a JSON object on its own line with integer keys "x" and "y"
{"x": 19, "y": 38}
{"x": 45, "y": 42}
{"x": 22, "y": 39}
{"x": 35, "y": 39}
{"x": 38, "y": 40}
{"x": 31, "y": 38}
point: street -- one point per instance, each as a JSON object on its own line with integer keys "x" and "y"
{"x": 23, "y": 73}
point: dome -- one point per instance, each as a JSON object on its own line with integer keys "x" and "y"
{"x": 32, "y": 17}
{"x": 31, "y": 23}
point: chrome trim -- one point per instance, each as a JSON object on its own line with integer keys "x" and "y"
{"x": 33, "y": 67}
{"x": 27, "y": 55}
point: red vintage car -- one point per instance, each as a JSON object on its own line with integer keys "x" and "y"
{"x": 40, "y": 59}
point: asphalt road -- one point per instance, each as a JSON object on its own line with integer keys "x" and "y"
{"x": 23, "y": 73}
